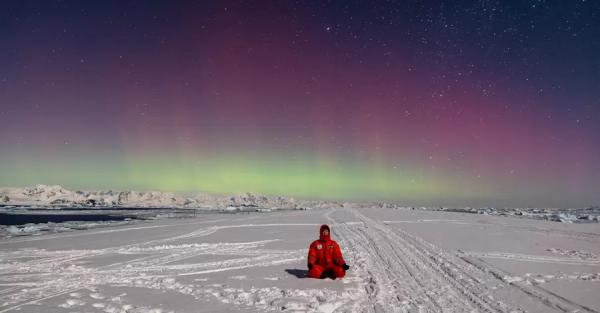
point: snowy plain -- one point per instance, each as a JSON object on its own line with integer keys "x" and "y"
{"x": 401, "y": 260}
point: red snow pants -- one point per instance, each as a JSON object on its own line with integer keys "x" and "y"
{"x": 317, "y": 270}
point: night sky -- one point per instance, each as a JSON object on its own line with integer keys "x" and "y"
{"x": 471, "y": 103}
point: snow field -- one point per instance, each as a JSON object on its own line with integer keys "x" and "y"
{"x": 401, "y": 261}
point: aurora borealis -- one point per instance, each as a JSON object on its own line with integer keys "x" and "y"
{"x": 433, "y": 103}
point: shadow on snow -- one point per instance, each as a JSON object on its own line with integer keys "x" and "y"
{"x": 297, "y": 272}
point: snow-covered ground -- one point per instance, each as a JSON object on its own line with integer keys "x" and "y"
{"x": 401, "y": 260}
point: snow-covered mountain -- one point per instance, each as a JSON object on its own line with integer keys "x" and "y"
{"x": 44, "y": 195}
{"x": 57, "y": 195}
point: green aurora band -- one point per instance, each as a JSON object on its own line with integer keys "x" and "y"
{"x": 301, "y": 177}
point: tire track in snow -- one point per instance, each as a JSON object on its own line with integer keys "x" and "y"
{"x": 542, "y": 295}
{"x": 403, "y": 273}
{"x": 534, "y": 258}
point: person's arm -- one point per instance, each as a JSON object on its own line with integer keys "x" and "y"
{"x": 338, "y": 258}
{"x": 312, "y": 256}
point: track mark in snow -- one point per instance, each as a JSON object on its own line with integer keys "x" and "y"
{"x": 53, "y": 274}
{"x": 534, "y": 258}
{"x": 460, "y": 222}
{"x": 535, "y": 291}
{"x": 404, "y": 273}
{"x": 156, "y": 264}
{"x": 97, "y": 232}
{"x": 584, "y": 255}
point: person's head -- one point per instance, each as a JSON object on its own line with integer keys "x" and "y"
{"x": 324, "y": 232}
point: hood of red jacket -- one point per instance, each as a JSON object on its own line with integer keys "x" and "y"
{"x": 323, "y": 237}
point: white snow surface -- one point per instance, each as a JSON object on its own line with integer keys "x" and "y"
{"x": 401, "y": 260}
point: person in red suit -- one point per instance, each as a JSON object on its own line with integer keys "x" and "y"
{"x": 325, "y": 257}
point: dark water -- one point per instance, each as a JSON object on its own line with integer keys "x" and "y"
{"x": 20, "y": 219}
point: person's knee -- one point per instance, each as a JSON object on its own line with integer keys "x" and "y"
{"x": 339, "y": 272}
{"x": 315, "y": 271}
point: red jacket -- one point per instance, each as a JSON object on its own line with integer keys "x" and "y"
{"x": 325, "y": 251}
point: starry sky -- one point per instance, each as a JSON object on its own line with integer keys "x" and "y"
{"x": 451, "y": 103}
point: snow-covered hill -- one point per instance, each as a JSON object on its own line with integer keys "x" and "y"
{"x": 57, "y": 196}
